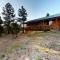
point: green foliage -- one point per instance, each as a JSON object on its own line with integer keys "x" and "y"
{"x": 10, "y": 26}
{"x": 47, "y": 14}
{"x": 1, "y": 27}
{"x": 22, "y": 14}
{"x": 1, "y": 21}
{"x": 8, "y": 12}
{"x": 15, "y": 28}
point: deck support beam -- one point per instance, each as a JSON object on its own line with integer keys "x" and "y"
{"x": 43, "y": 25}
{"x": 56, "y": 23}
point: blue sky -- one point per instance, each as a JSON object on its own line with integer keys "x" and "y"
{"x": 35, "y": 8}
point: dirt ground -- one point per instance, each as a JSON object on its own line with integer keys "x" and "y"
{"x": 31, "y": 46}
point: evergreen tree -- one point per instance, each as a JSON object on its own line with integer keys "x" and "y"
{"x": 47, "y": 14}
{"x": 22, "y": 14}
{"x": 8, "y": 12}
{"x": 15, "y": 28}
{"x": 1, "y": 27}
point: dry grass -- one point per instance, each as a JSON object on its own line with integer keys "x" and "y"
{"x": 43, "y": 42}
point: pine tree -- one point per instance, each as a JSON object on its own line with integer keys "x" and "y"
{"x": 47, "y": 14}
{"x": 15, "y": 28}
{"x": 1, "y": 27}
{"x": 8, "y": 13}
{"x": 22, "y": 14}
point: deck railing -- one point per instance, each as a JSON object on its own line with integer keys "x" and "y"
{"x": 38, "y": 28}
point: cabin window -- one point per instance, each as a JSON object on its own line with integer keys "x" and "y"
{"x": 50, "y": 22}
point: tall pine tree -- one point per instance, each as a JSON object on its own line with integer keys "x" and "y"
{"x": 23, "y": 15}
{"x": 8, "y": 13}
{"x": 1, "y": 27}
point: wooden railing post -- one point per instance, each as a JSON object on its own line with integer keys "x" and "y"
{"x": 56, "y": 24}
{"x": 43, "y": 25}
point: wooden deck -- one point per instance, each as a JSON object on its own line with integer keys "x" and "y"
{"x": 38, "y": 28}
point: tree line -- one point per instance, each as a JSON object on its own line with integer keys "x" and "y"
{"x": 9, "y": 23}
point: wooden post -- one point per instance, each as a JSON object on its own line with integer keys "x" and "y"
{"x": 56, "y": 24}
{"x": 43, "y": 25}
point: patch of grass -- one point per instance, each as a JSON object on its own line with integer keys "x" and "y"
{"x": 37, "y": 58}
{"x": 14, "y": 59}
{"x": 42, "y": 33}
{"x": 14, "y": 46}
{"x": 2, "y": 56}
{"x": 35, "y": 33}
{"x": 21, "y": 46}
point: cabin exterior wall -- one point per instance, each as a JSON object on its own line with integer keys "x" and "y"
{"x": 55, "y": 26}
{"x": 44, "y": 25}
{"x": 39, "y": 26}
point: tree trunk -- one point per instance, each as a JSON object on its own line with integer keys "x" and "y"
{"x": 23, "y": 26}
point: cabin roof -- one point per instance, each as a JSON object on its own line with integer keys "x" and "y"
{"x": 44, "y": 18}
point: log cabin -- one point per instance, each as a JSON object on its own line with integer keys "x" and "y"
{"x": 48, "y": 23}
